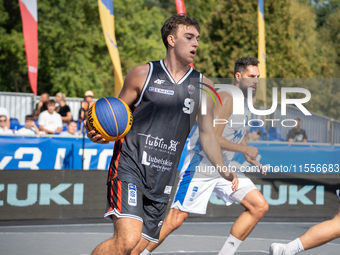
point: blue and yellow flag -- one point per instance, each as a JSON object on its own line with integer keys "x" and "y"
{"x": 108, "y": 24}
{"x": 261, "y": 89}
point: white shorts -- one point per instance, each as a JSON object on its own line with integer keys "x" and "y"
{"x": 193, "y": 194}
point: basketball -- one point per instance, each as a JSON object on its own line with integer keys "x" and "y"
{"x": 110, "y": 117}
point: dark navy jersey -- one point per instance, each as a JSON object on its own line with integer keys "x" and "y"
{"x": 165, "y": 112}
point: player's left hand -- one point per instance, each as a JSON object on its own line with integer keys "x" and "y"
{"x": 256, "y": 163}
{"x": 232, "y": 177}
{"x": 234, "y": 181}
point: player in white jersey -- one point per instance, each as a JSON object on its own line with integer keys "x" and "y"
{"x": 198, "y": 178}
{"x": 317, "y": 235}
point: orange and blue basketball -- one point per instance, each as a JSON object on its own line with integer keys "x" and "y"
{"x": 110, "y": 117}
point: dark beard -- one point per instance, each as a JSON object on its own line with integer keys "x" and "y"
{"x": 245, "y": 91}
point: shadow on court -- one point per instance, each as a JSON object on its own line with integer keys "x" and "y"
{"x": 195, "y": 236}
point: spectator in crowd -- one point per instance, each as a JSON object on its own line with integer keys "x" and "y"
{"x": 63, "y": 109}
{"x": 42, "y": 105}
{"x": 86, "y": 104}
{"x": 4, "y": 130}
{"x": 254, "y": 135}
{"x": 297, "y": 134}
{"x": 49, "y": 121}
{"x": 30, "y": 127}
{"x": 71, "y": 129}
{"x": 3, "y": 111}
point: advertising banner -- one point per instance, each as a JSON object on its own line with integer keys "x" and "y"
{"x": 47, "y": 194}
{"x": 288, "y": 195}
{"x": 67, "y": 194}
{"x": 34, "y": 153}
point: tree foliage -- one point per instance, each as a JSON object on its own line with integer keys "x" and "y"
{"x": 73, "y": 56}
{"x": 302, "y": 41}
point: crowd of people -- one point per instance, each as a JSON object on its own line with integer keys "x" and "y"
{"x": 295, "y": 134}
{"x": 50, "y": 117}
{"x": 55, "y": 117}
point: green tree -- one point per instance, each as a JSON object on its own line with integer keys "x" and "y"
{"x": 202, "y": 11}
{"x": 293, "y": 46}
{"x": 73, "y": 56}
{"x": 233, "y": 34}
{"x": 13, "y": 66}
{"x": 324, "y": 8}
{"x": 138, "y": 33}
{"x": 69, "y": 42}
{"x": 302, "y": 40}
{"x": 330, "y": 33}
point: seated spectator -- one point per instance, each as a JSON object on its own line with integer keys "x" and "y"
{"x": 86, "y": 104}
{"x": 63, "y": 109}
{"x": 49, "y": 121}
{"x": 297, "y": 134}
{"x": 254, "y": 135}
{"x": 30, "y": 127}
{"x": 71, "y": 129}
{"x": 4, "y": 130}
{"x": 42, "y": 105}
{"x": 3, "y": 111}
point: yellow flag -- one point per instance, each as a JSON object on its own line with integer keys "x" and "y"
{"x": 108, "y": 24}
{"x": 261, "y": 88}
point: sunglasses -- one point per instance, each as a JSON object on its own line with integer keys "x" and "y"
{"x": 3, "y": 120}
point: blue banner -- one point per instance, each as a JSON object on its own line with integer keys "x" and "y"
{"x": 53, "y": 153}
{"x": 284, "y": 157}
{"x": 66, "y": 153}
{"x": 294, "y": 158}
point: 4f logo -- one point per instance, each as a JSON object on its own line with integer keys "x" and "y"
{"x": 158, "y": 81}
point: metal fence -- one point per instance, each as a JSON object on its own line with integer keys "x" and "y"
{"x": 320, "y": 129}
{"x": 336, "y": 131}
{"x": 21, "y": 104}
{"x": 316, "y": 126}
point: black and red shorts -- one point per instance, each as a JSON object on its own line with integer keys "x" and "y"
{"x": 126, "y": 200}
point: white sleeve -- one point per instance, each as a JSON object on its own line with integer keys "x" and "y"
{"x": 59, "y": 122}
{"x": 41, "y": 119}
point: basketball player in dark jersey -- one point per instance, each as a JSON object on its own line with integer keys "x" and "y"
{"x": 143, "y": 167}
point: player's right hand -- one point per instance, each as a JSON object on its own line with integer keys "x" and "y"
{"x": 256, "y": 163}
{"x": 96, "y": 138}
{"x": 251, "y": 152}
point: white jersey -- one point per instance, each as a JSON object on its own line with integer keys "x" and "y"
{"x": 26, "y": 131}
{"x": 50, "y": 121}
{"x": 7, "y": 131}
{"x": 234, "y": 131}
{"x": 198, "y": 178}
